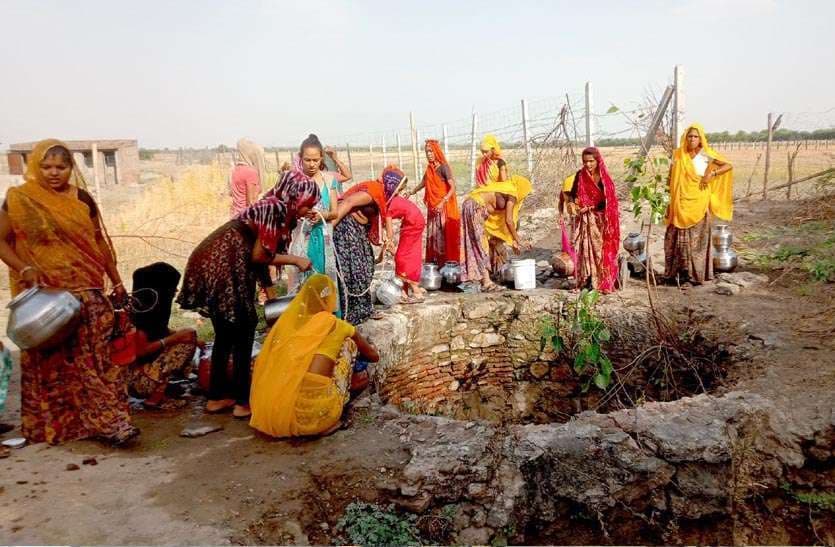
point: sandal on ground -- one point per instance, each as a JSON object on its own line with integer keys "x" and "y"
{"x": 493, "y": 287}
{"x": 122, "y": 438}
{"x": 166, "y": 404}
{"x": 377, "y": 315}
{"x": 241, "y": 412}
{"x": 226, "y": 407}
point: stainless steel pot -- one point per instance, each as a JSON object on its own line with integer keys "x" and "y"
{"x": 42, "y": 318}
{"x": 722, "y": 238}
{"x": 389, "y": 292}
{"x": 274, "y": 307}
{"x": 725, "y": 260}
{"x": 451, "y": 272}
{"x": 634, "y": 243}
{"x": 430, "y": 278}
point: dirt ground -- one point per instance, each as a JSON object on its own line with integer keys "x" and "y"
{"x": 234, "y": 486}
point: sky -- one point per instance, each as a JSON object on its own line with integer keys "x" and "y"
{"x": 189, "y": 73}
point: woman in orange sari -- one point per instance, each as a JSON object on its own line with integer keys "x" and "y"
{"x": 701, "y": 187}
{"x": 51, "y": 234}
{"x": 443, "y": 218}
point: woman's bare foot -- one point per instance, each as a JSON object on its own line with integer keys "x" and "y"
{"x": 220, "y": 405}
{"x": 242, "y": 412}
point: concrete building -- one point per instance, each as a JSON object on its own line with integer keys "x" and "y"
{"x": 113, "y": 161}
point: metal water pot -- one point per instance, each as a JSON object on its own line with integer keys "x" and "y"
{"x": 389, "y": 291}
{"x": 722, "y": 238}
{"x": 506, "y": 273}
{"x": 451, "y": 272}
{"x": 274, "y": 307}
{"x": 430, "y": 278}
{"x": 42, "y": 318}
{"x": 725, "y": 260}
{"x": 634, "y": 243}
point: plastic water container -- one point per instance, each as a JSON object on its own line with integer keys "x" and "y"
{"x": 524, "y": 274}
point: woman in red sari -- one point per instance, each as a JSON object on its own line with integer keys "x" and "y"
{"x": 593, "y": 203}
{"x": 407, "y": 258}
{"x": 443, "y": 218}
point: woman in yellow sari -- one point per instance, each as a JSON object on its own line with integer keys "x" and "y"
{"x": 701, "y": 186}
{"x": 303, "y": 374}
{"x": 490, "y": 216}
{"x": 51, "y": 234}
{"x": 492, "y": 170}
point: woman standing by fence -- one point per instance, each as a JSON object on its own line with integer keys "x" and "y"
{"x": 701, "y": 185}
{"x": 592, "y": 200}
{"x": 443, "y": 218}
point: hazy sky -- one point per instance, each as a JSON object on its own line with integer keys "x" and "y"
{"x": 194, "y": 73}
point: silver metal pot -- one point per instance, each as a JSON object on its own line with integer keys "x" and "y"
{"x": 506, "y": 273}
{"x": 42, "y": 318}
{"x": 722, "y": 238}
{"x": 430, "y": 278}
{"x": 634, "y": 243}
{"x": 725, "y": 260}
{"x": 451, "y": 272}
{"x": 389, "y": 292}
{"x": 274, "y": 307}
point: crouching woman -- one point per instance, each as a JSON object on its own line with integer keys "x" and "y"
{"x": 302, "y": 376}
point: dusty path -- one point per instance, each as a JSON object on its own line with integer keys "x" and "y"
{"x": 234, "y": 486}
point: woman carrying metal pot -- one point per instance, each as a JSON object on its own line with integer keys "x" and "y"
{"x": 51, "y": 234}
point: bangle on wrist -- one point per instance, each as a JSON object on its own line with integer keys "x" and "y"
{"x": 24, "y": 270}
{"x": 161, "y": 344}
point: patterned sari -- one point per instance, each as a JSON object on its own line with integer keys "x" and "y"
{"x": 596, "y": 231}
{"x": 73, "y": 391}
{"x": 443, "y": 227}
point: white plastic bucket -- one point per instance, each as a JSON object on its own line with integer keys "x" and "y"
{"x": 524, "y": 274}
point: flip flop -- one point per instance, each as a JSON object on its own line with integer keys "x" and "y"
{"x": 221, "y": 410}
{"x": 495, "y": 287}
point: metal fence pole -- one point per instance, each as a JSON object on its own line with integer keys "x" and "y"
{"x": 399, "y": 151}
{"x": 414, "y": 146}
{"x": 472, "y": 149}
{"x": 678, "y": 100}
{"x": 446, "y": 143}
{"x": 350, "y": 163}
{"x": 385, "y": 152}
{"x": 528, "y": 151}
{"x": 589, "y": 104}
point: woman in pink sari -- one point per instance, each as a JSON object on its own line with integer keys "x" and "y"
{"x": 593, "y": 202}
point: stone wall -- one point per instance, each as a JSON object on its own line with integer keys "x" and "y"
{"x": 478, "y": 356}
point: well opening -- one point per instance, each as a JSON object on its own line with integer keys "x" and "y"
{"x": 476, "y": 357}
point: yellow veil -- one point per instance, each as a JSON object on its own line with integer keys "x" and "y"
{"x": 490, "y": 141}
{"x": 688, "y": 200}
{"x": 286, "y": 355}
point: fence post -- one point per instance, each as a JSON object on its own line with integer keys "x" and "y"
{"x": 528, "y": 152}
{"x": 350, "y": 163}
{"x": 96, "y": 180}
{"x": 678, "y": 100}
{"x": 589, "y": 104}
{"x": 446, "y": 146}
{"x": 767, "y": 157}
{"x": 277, "y": 161}
{"x": 371, "y": 156}
{"x": 472, "y": 149}
{"x": 414, "y": 145}
{"x": 419, "y": 150}
{"x": 399, "y": 150}
{"x": 385, "y": 152}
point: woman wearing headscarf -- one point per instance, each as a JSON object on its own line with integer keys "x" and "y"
{"x": 490, "y": 217}
{"x": 443, "y": 218}
{"x": 247, "y": 176}
{"x": 493, "y": 169}
{"x": 220, "y": 279}
{"x": 360, "y": 213}
{"x": 408, "y": 256}
{"x": 302, "y": 375}
{"x": 701, "y": 186}
{"x": 592, "y": 201}
{"x": 52, "y": 235}
{"x": 160, "y": 351}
